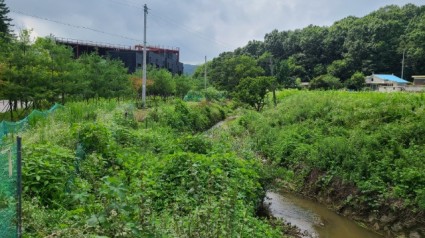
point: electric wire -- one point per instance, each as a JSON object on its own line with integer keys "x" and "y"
{"x": 171, "y": 21}
{"x": 158, "y": 19}
{"x": 190, "y": 30}
{"x": 127, "y": 4}
{"x": 182, "y": 45}
{"x": 75, "y": 26}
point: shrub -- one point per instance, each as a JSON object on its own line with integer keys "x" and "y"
{"x": 326, "y": 82}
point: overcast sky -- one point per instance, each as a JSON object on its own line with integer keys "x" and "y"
{"x": 198, "y": 27}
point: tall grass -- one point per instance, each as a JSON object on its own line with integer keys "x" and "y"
{"x": 373, "y": 140}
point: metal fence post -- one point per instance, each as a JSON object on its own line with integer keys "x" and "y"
{"x": 19, "y": 186}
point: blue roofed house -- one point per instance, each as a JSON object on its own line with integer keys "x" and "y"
{"x": 386, "y": 83}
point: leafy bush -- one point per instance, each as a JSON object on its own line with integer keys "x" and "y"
{"x": 196, "y": 144}
{"x": 326, "y": 82}
{"x": 212, "y": 94}
{"x": 194, "y": 177}
{"x": 132, "y": 181}
{"x": 366, "y": 138}
{"x": 191, "y": 118}
{"x": 94, "y": 137}
{"x": 46, "y": 171}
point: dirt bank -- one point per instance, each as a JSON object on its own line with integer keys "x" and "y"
{"x": 390, "y": 217}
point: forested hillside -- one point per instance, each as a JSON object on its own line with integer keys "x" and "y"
{"x": 373, "y": 43}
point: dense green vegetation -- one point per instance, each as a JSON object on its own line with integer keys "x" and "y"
{"x": 101, "y": 168}
{"x": 37, "y": 74}
{"x": 43, "y": 72}
{"x": 372, "y": 143}
{"x": 4, "y": 20}
{"x": 91, "y": 171}
{"x": 373, "y": 43}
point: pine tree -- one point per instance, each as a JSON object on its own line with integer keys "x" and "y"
{"x": 4, "y": 19}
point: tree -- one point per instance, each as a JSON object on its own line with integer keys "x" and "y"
{"x": 373, "y": 43}
{"x": 283, "y": 75}
{"x": 340, "y": 69}
{"x": 296, "y": 69}
{"x": 22, "y": 71}
{"x": 266, "y": 62}
{"x": 253, "y": 90}
{"x": 273, "y": 43}
{"x": 326, "y": 82}
{"x": 356, "y": 82}
{"x": 163, "y": 84}
{"x": 228, "y": 70}
{"x": 414, "y": 45}
{"x": 4, "y": 19}
{"x": 183, "y": 84}
{"x": 254, "y": 49}
{"x": 59, "y": 64}
{"x": 102, "y": 78}
{"x": 212, "y": 94}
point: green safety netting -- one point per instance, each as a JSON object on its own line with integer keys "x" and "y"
{"x": 8, "y": 176}
{"x": 193, "y": 96}
{"x": 8, "y": 191}
{"x": 209, "y": 94}
{"x": 7, "y": 127}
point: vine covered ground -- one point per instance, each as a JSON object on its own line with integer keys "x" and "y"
{"x": 362, "y": 153}
{"x": 94, "y": 170}
{"x": 105, "y": 169}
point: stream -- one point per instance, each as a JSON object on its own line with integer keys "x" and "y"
{"x": 314, "y": 219}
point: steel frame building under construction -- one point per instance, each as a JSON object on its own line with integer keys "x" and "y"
{"x": 132, "y": 57}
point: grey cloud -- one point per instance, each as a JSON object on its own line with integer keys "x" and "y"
{"x": 199, "y": 28}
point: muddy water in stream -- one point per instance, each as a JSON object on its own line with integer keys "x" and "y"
{"x": 314, "y": 219}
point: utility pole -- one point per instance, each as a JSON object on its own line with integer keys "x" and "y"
{"x": 271, "y": 66}
{"x": 402, "y": 64}
{"x": 144, "y": 59}
{"x": 205, "y": 73}
{"x": 274, "y": 86}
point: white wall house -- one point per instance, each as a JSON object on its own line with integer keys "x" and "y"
{"x": 386, "y": 83}
{"x": 418, "y": 80}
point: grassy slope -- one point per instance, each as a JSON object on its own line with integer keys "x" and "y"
{"x": 363, "y": 151}
{"x": 90, "y": 171}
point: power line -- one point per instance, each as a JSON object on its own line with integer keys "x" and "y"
{"x": 156, "y": 19}
{"x": 127, "y": 4}
{"x": 75, "y": 26}
{"x": 168, "y": 20}
{"x": 190, "y": 30}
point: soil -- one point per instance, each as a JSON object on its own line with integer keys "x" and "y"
{"x": 390, "y": 218}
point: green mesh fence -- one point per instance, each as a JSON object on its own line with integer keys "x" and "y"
{"x": 193, "y": 96}
{"x": 8, "y": 191}
{"x": 8, "y": 171}
{"x": 7, "y": 127}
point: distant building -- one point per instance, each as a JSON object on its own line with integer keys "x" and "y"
{"x": 391, "y": 83}
{"x": 419, "y": 80}
{"x": 386, "y": 82}
{"x": 305, "y": 84}
{"x": 131, "y": 57}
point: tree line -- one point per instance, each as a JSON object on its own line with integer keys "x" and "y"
{"x": 43, "y": 72}
{"x": 40, "y": 72}
{"x": 331, "y": 56}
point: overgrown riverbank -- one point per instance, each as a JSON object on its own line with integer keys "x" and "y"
{"x": 95, "y": 170}
{"x": 362, "y": 153}
{"x": 92, "y": 170}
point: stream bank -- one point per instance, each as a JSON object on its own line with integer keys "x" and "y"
{"x": 313, "y": 219}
